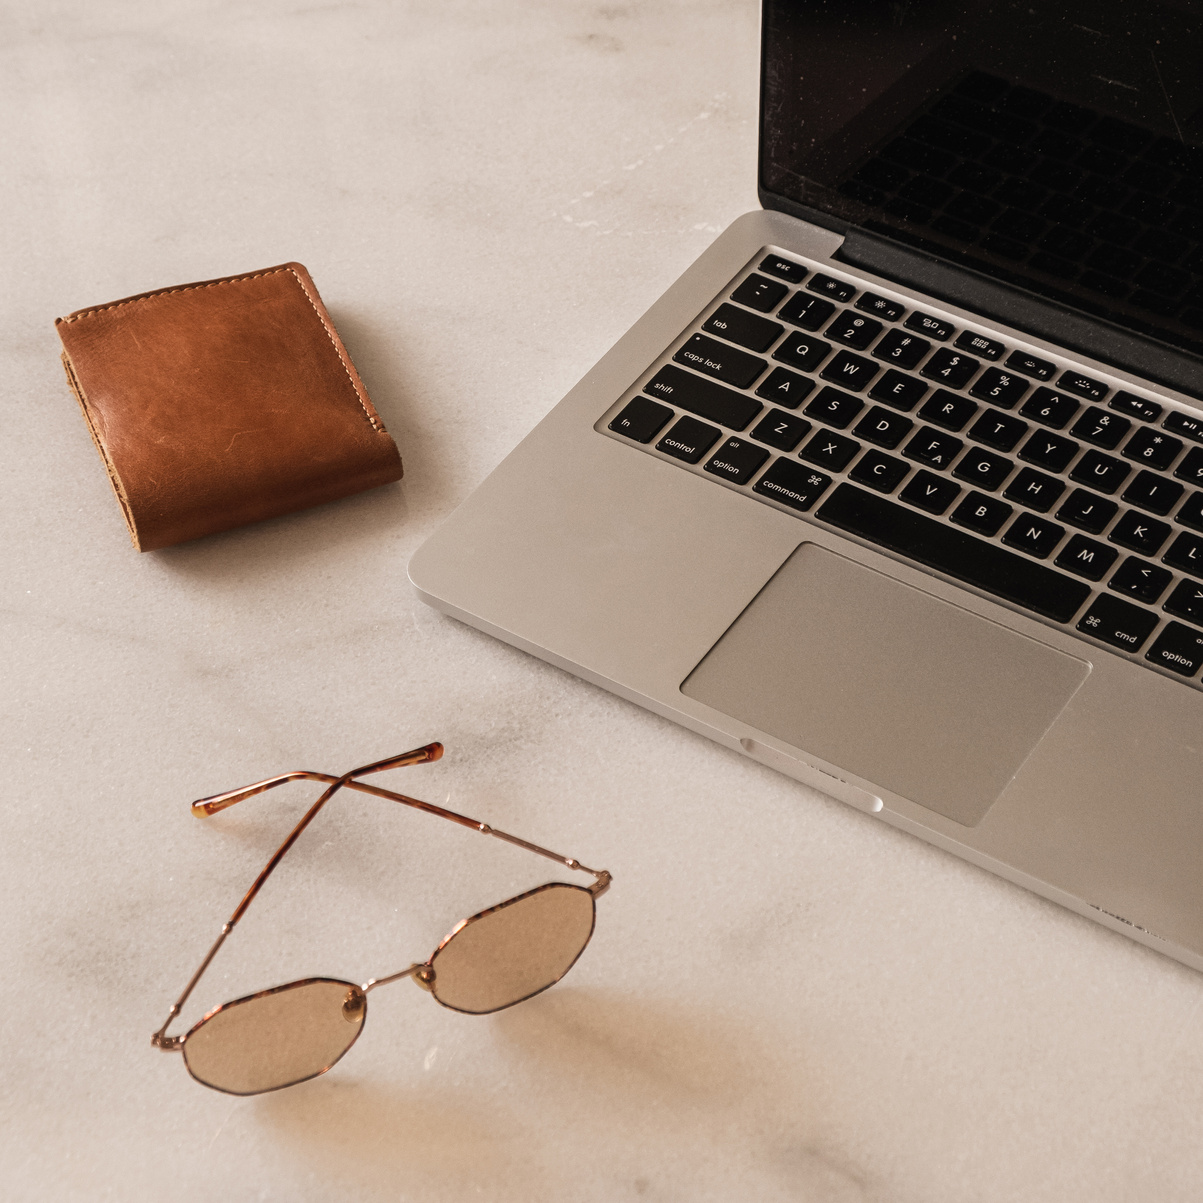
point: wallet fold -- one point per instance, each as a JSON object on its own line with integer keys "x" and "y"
{"x": 223, "y": 402}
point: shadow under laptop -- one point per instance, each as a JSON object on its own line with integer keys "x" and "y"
{"x": 650, "y": 1097}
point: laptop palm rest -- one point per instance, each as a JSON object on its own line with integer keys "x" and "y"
{"x": 914, "y": 694}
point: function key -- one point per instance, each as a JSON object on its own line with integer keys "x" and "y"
{"x": 1190, "y": 425}
{"x": 1179, "y": 649}
{"x": 757, "y": 292}
{"x": 1118, "y": 623}
{"x": 689, "y": 440}
{"x": 739, "y": 326}
{"x": 1135, "y": 407}
{"x": 786, "y": 269}
{"x": 808, "y": 312}
{"x": 1030, "y": 365}
{"x": 979, "y": 344}
{"x": 881, "y": 307}
{"x": 641, "y": 420}
{"x": 853, "y": 330}
{"x": 1083, "y": 386}
{"x": 933, "y": 327}
{"x": 829, "y": 286}
{"x": 792, "y": 484}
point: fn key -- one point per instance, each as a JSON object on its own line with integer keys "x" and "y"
{"x": 641, "y": 420}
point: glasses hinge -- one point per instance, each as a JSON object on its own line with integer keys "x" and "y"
{"x": 169, "y": 1044}
{"x": 602, "y": 884}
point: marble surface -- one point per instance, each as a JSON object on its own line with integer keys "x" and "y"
{"x": 785, "y": 999}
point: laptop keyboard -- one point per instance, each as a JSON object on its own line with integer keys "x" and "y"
{"x": 1022, "y": 477}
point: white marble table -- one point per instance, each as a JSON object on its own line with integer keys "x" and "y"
{"x": 785, "y": 999}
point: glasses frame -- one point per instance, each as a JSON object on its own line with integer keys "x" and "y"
{"x": 421, "y": 972}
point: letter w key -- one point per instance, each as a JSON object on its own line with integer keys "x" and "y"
{"x": 850, "y": 371}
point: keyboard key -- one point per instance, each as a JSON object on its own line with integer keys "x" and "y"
{"x": 1086, "y": 511}
{"x": 1138, "y": 533}
{"x": 986, "y": 566}
{"x": 1035, "y": 490}
{"x": 850, "y": 371}
{"x": 1100, "y": 471}
{"x": 831, "y": 451}
{"x": 785, "y": 388}
{"x": 1185, "y": 554}
{"x": 689, "y": 440}
{"x": 1177, "y": 648}
{"x": 1000, "y": 388}
{"x": 1083, "y": 386}
{"x": 781, "y": 430}
{"x": 1118, "y": 623}
{"x": 1140, "y": 579}
{"x": 933, "y": 327}
{"x": 931, "y": 493}
{"x": 1153, "y": 493}
{"x": 1188, "y": 425}
{"x": 979, "y": 344}
{"x": 983, "y": 514}
{"x": 1049, "y": 451}
{"x": 737, "y": 460}
{"x": 933, "y": 448}
{"x": 983, "y": 468}
{"x": 901, "y": 349}
{"x": 739, "y": 326}
{"x": 808, "y": 312}
{"x": 641, "y": 420}
{"x": 902, "y": 392}
{"x": 852, "y": 330}
{"x": 889, "y": 311}
{"x": 835, "y": 408}
{"x": 879, "y": 471}
{"x": 802, "y": 351}
{"x": 1191, "y": 468}
{"x": 1102, "y": 429}
{"x": 1086, "y": 558}
{"x": 1186, "y": 601}
{"x": 761, "y": 294}
{"x": 829, "y": 286}
{"x": 1036, "y": 536}
{"x": 950, "y": 368}
{"x": 724, "y": 363}
{"x": 1031, "y": 365}
{"x": 775, "y": 265}
{"x": 947, "y": 409}
{"x": 1152, "y": 449}
{"x": 1135, "y": 407}
{"x": 1191, "y": 513}
{"x": 792, "y": 484}
{"x": 999, "y": 431}
{"x": 884, "y": 428}
{"x": 703, "y": 398}
{"x": 1053, "y": 409}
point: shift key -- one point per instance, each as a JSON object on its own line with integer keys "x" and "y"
{"x": 722, "y": 362}
{"x": 703, "y": 397}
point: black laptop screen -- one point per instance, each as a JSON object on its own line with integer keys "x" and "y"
{"x": 1054, "y": 146}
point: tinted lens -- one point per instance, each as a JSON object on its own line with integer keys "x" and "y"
{"x": 506, "y": 954}
{"x": 276, "y": 1038}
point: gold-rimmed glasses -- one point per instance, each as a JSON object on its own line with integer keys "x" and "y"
{"x": 489, "y": 961}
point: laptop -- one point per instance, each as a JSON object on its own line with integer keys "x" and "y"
{"x": 899, "y": 488}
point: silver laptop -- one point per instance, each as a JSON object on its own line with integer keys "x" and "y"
{"x": 899, "y": 489}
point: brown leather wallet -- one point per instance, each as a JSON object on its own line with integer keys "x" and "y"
{"x": 224, "y": 402}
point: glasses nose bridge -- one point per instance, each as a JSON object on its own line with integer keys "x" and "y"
{"x": 420, "y": 971}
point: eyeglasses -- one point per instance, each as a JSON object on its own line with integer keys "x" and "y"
{"x": 489, "y": 961}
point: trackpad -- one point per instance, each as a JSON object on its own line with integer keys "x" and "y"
{"x": 914, "y": 694}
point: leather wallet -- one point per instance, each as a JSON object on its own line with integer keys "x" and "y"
{"x": 224, "y": 402}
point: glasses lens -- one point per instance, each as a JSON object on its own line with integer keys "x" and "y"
{"x": 276, "y": 1038}
{"x": 514, "y": 950}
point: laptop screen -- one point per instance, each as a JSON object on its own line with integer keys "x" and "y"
{"x": 1053, "y": 146}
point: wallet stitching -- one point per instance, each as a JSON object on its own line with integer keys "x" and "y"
{"x": 75, "y": 317}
